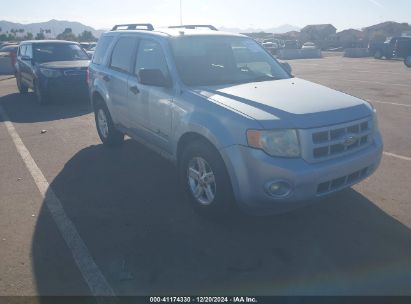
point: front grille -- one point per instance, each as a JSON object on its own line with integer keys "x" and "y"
{"x": 340, "y": 139}
{"x": 341, "y": 182}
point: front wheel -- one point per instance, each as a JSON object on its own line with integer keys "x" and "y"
{"x": 407, "y": 61}
{"x": 23, "y": 89}
{"x": 378, "y": 54}
{"x": 41, "y": 96}
{"x": 206, "y": 180}
{"x": 106, "y": 130}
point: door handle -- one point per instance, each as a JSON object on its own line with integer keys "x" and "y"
{"x": 134, "y": 90}
{"x": 106, "y": 78}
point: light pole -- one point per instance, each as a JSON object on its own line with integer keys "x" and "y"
{"x": 181, "y": 12}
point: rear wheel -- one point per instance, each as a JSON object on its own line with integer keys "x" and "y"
{"x": 407, "y": 61}
{"x": 378, "y": 54}
{"x": 206, "y": 180}
{"x": 107, "y": 132}
{"x": 23, "y": 89}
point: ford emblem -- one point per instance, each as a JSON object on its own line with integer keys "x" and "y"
{"x": 349, "y": 140}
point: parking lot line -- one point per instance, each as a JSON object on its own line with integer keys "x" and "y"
{"x": 397, "y": 156}
{"x": 391, "y": 103}
{"x": 366, "y": 81}
{"x": 90, "y": 271}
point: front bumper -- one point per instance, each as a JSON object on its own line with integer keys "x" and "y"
{"x": 250, "y": 170}
{"x": 65, "y": 86}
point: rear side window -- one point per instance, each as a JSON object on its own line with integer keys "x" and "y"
{"x": 29, "y": 51}
{"x": 101, "y": 49}
{"x": 121, "y": 58}
{"x": 22, "y": 51}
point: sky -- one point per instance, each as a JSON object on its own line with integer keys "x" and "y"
{"x": 243, "y": 14}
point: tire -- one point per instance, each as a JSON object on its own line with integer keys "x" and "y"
{"x": 378, "y": 54}
{"x": 106, "y": 130}
{"x": 41, "y": 96}
{"x": 23, "y": 89}
{"x": 202, "y": 171}
{"x": 407, "y": 61}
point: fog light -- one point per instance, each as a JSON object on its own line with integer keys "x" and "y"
{"x": 279, "y": 189}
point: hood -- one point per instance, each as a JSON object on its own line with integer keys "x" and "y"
{"x": 289, "y": 103}
{"x": 65, "y": 64}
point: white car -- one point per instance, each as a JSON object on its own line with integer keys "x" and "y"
{"x": 309, "y": 45}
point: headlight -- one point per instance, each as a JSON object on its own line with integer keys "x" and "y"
{"x": 280, "y": 143}
{"x": 50, "y": 73}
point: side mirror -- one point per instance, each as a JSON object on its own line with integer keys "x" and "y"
{"x": 153, "y": 77}
{"x": 286, "y": 66}
{"x": 25, "y": 58}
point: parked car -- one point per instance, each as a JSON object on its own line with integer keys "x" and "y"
{"x": 4, "y": 43}
{"x": 90, "y": 52}
{"x": 394, "y": 47}
{"x": 50, "y": 68}
{"x": 407, "y": 60}
{"x": 309, "y": 45}
{"x": 292, "y": 44}
{"x": 241, "y": 130}
{"x": 271, "y": 45}
{"x": 10, "y": 50}
{"x": 88, "y": 45}
{"x": 403, "y": 50}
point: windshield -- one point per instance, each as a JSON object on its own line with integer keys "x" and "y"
{"x": 47, "y": 52}
{"x": 220, "y": 60}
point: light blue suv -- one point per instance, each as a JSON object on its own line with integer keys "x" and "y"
{"x": 241, "y": 129}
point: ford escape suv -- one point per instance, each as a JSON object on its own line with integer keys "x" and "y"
{"x": 242, "y": 131}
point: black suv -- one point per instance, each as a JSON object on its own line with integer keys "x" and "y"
{"x": 51, "y": 67}
{"x": 396, "y": 47}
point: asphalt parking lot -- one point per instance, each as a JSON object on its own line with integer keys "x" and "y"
{"x": 135, "y": 234}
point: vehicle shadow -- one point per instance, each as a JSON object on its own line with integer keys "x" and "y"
{"x": 24, "y": 108}
{"x": 127, "y": 207}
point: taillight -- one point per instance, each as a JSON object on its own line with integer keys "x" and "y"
{"x": 13, "y": 59}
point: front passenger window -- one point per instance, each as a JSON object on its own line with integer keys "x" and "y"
{"x": 151, "y": 56}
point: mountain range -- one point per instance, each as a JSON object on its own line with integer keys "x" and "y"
{"x": 276, "y": 30}
{"x": 56, "y": 27}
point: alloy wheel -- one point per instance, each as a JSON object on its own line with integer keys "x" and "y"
{"x": 201, "y": 180}
{"x": 102, "y": 123}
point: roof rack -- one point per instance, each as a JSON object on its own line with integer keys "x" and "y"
{"x": 134, "y": 26}
{"x": 194, "y": 26}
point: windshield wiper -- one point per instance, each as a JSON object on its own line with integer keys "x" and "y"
{"x": 264, "y": 78}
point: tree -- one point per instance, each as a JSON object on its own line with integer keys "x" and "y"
{"x": 378, "y": 36}
{"x": 67, "y": 34}
{"x": 29, "y": 36}
{"x": 40, "y": 36}
{"x": 86, "y": 36}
